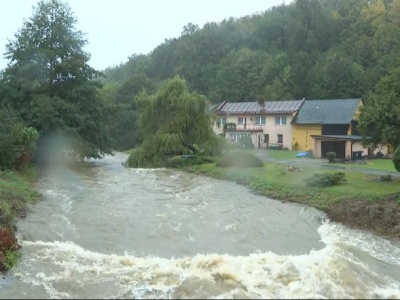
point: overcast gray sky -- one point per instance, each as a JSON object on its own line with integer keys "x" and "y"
{"x": 116, "y": 29}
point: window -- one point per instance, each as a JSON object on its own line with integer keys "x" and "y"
{"x": 222, "y": 122}
{"x": 260, "y": 121}
{"x": 280, "y": 120}
{"x": 241, "y": 121}
{"x": 280, "y": 138}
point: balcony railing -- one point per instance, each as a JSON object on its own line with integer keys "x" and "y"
{"x": 231, "y": 127}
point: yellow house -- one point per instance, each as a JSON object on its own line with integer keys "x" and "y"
{"x": 324, "y": 126}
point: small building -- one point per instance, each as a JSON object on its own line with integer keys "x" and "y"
{"x": 268, "y": 123}
{"x": 329, "y": 126}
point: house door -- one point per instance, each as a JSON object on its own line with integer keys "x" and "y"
{"x": 266, "y": 139}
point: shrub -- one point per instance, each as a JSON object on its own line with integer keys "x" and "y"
{"x": 386, "y": 178}
{"x": 282, "y": 167}
{"x": 187, "y": 160}
{"x": 331, "y": 156}
{"x": 15, "y": 139}
{"x": 8, "y": 249}
{"x": 138, "y": 158}
{"x": 239, "y": 159}
{"x": 326, "y": 179}
{"x": 396, "y": 159}
{"x": 12, "y": 258}
{"x": 214, "y": 146}
{"x": 246, "y": 142}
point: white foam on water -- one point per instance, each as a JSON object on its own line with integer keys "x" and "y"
{"x": 377, "y": 247}
{"x": 69, "y": 271}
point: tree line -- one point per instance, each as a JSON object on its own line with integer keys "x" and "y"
{"x": 54, "y": 102}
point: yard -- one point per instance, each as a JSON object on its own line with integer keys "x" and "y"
{"x": 270, "y": 181}
{"x": 379, "y": 164}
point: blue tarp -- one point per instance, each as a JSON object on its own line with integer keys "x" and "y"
{"x": 302, "y": 154}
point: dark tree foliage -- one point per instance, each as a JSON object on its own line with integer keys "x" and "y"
{"x": 50, "y": 84}
{"x": 317, "y": 48}
{"x": 380, "y": 117}
{"x": 173, "y": 121}
{"x": 15, "y": 139}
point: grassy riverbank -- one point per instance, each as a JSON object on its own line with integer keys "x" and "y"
{"x": 16, "y": 191}
{"x": 363, "y": 201}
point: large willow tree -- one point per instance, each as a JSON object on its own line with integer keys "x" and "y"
{"x": 50, "y": 84}
{"x": 171, "y": 122}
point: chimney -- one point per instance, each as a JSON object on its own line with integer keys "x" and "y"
{"x": 261, "y": 102}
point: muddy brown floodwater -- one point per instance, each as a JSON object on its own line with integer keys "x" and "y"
{"x": 105, "y": 231}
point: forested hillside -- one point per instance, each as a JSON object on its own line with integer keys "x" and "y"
{"x": 313, "y": 49}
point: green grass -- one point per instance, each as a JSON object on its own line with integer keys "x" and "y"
{"x": 16, "y": 190}
{"x": 269, "y": 181}
{"x": 381, "y": 164}
{"x": 282, "y": 154}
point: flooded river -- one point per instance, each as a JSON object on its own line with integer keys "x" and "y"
{"x": 105, "y": 231}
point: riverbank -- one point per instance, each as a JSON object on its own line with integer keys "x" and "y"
{"x": 362, "y": 202}
{"x": 16, "y": 192}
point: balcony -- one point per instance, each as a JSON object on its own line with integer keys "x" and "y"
{"x": 232, "y": 127}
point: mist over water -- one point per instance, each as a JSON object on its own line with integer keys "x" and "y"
{"x": 105, "y": 231}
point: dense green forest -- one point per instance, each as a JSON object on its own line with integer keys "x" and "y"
{"x": 312, "y": 49}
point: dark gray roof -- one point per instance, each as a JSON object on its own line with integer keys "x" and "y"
{"x": 270, "y": 107}
{"x": 336, "y": 111}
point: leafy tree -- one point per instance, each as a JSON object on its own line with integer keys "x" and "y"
{"x": 50, "y": 83}
{"x": 15, "y": 139}
{"x": 171, "y": 122}
{"x": 336, "y": 76}
{"x": 380, "y": 117}
{"x": 277, "y": 75}
{"x": 239, "y": 78}
{"x": 119, "y": 97}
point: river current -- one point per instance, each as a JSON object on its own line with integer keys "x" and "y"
{"x": 106, "y": 231}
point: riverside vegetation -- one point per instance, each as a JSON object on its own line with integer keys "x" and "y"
{"x": 16, "y": 191}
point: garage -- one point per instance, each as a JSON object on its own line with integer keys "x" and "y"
{"x": 333, "y": 146}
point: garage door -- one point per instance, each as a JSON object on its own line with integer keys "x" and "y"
{"x": 336, "y": 146}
